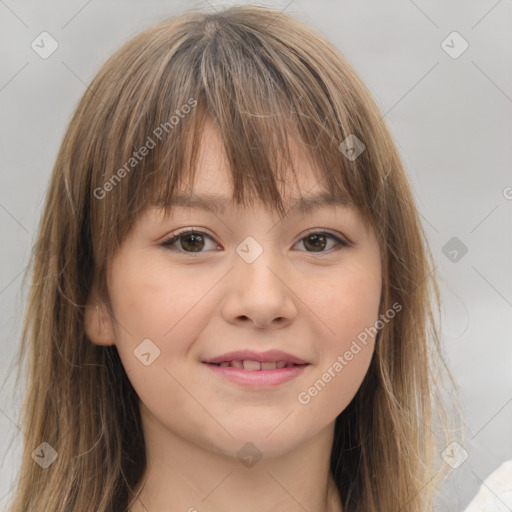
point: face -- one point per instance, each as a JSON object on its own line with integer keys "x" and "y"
{"x": 246, "y": 280}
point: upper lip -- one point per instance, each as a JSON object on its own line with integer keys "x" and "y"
{"x": 263, "y": 357}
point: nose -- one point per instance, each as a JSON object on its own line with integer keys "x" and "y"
{"x": 260, "y": 293}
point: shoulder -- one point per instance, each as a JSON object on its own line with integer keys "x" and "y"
{"x": 495, "y": 494}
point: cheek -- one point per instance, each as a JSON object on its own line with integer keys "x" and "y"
{"x": 349, "y": 309}
{"x": 346, "y": 354}
{"x": 165, "y": 308}
{"x": 332, "y": 389}
{"x": 348, "y": 302}
{"x": 156, "y": 304}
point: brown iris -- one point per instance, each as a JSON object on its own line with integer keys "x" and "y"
{"x": 318, "y": 242}
{"x": 192, "y": 241}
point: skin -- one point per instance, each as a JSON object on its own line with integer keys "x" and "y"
{"x": 310, "y": 304}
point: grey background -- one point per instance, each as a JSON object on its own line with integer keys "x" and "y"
{"x": 451, "y": 119}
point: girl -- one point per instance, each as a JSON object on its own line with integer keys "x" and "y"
{"x": 231, "y": 292}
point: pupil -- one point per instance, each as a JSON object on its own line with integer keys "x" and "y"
{"x": 316, "y": 239}
{"x": 193, "y": 237}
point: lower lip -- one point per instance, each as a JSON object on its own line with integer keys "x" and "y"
{"x": 257, "y": 378}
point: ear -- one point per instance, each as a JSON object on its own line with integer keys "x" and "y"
{"x": 98, "y": 323}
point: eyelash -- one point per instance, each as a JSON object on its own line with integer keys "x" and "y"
{"x": 167, "y": 243}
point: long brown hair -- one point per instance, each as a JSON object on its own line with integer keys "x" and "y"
{"x": 262, "y": 77}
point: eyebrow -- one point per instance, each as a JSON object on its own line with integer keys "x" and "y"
{"x": 218, "y": 203}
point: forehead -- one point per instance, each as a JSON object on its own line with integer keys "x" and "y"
{"x": 212, "y": 187}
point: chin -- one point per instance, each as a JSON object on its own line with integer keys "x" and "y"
{"x": 255, "y": 442}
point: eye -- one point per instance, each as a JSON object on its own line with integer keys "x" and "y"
{"x": 317, "y": 240}
{"x": 192, "y": 241}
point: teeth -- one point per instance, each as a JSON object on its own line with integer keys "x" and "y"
{"x": 251, "y": 365}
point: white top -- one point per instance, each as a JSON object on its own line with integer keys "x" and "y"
{"x": 495, "y": 494}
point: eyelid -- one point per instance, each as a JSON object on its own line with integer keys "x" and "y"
{"x": 335, "y": 234}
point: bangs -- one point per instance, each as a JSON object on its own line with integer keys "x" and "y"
{"x": 262, "y": 159}
{"x": 262, "y": 94}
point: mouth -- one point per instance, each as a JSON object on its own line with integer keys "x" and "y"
{"x": 255, "y": 374}
{"x": 255, "y": 369}
{"x": 254, "y": 366}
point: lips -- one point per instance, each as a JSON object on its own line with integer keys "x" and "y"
{"x": 256, "y": 361}
{"x": 257, "y": 371}
{"x": 250, "y": 365}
